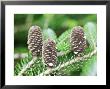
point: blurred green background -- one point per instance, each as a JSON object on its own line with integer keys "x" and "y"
{"x": 55, "y": 22}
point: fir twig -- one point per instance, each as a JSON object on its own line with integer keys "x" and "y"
{"x": 27, "y": 66}
{"x": 33, "y": 61}
{"x": 68, "y": 63}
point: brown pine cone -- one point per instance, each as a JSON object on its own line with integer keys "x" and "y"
{"x": 77, "y": 40}
{"x": 49, "y": 53}
{"x": 35, "y": 40}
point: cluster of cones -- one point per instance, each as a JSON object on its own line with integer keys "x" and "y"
{"x": 47, "y": 49}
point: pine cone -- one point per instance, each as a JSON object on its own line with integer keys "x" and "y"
{"x": 49, "y": 53}
{"x": 77, "y": 40}
{"x": 35, "y": 40}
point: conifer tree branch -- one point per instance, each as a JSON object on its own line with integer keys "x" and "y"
{"x": 27, "y": 66}
{"x": 58, "y": 67}
{"x": 33, "y": 61}
{"x": 48, "y": 71}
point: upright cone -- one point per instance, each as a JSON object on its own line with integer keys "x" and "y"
{"x": 49, "y": 53}
{"x": 35, "y": 40}
{"x": 77, "y": 40}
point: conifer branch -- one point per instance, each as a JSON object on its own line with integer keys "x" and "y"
{"x": 77, "y": 59}
{"x": 25, "y": 67}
